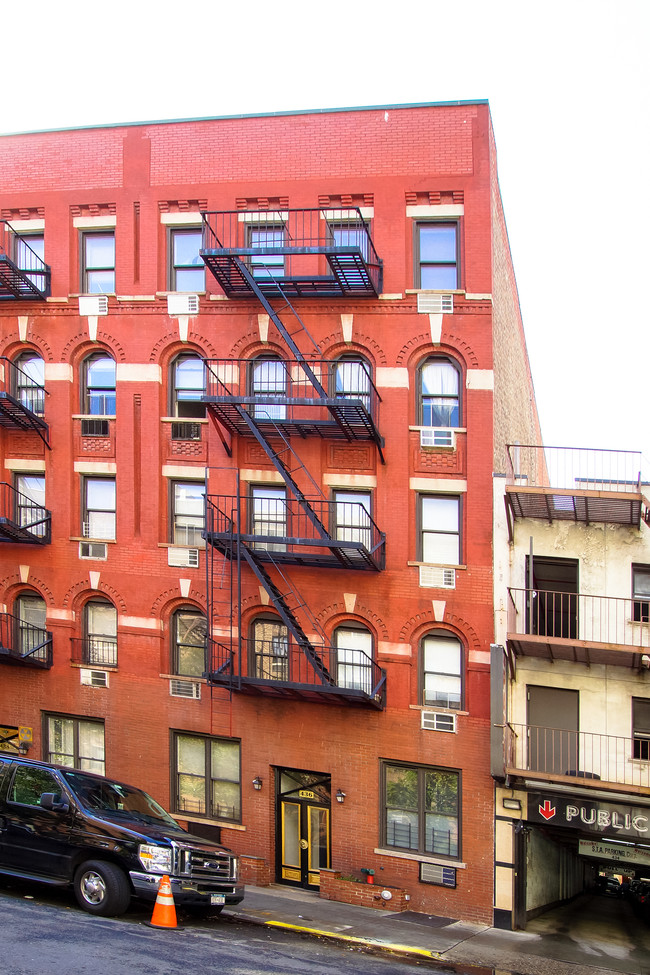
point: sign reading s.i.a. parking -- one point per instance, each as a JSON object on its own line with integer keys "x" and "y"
{"x": 589, "y": 816}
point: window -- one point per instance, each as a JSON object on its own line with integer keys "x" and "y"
{"x": 350, "y": 233}
{"x": 208, "y": 777}
{"x": 354, "y": 658}
{"x": 437, "y": 256}
{"x": 99, "y": 507}
{"x": 421, "y": 809}
{"x": 352, "y": 509}
{"x": 266, "y": 239}
{"x": 98, "y": 263}
{"x": 29, "y": 256}
{"x": 32, "y": 637}
{"x": 29, "y": 378}
{"x": 352, "y": 380}
{"x": 30, "y": 503}
{"x": 189, "y": 642}
{"x": 188, "y": 513}
{"x": 98, "y": 386}
{"x": 29, "y": 784}
{"x": 75, "y": 742}
{"x": 440, "y": 529}
{"x": 187, "y": 270}
{"x": 268, "y": 379}
{"x": 100, "y": 634}
{"x": 188, "y": 387}
{"x": 439, "y": 394}
{"x": 641, "y": 593}
{"x": 441, "y": 657}
{"x": 269, "y": 516}
{"x": 641, "y": 728}
{"x": 270, "y": 648}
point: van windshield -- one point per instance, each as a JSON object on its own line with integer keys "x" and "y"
{"x": 118, "y": 800}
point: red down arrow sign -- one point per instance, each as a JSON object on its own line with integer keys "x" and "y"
{"x": 546, "y": 809}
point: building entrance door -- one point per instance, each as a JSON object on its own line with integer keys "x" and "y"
{"x": 303, "y": 837}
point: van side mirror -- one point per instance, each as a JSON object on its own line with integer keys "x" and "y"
{"x": 53, "y": 801}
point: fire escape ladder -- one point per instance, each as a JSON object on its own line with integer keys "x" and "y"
{"x": 287, "y": 475}
{"x": 287, "y": 614}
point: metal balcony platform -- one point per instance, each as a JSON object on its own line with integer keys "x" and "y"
{"x": 294, "y": 676}
{"x": 31, "y": 282}
{"x": 306, "y": 253}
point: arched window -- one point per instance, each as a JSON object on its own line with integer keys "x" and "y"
{"x": 98, "y": 385}
{"x": 439, "y": 394}
{"x": 269, "y": 649}
{"x": 441, "y": 670}
{"x": 268, "y": 383}
{"x": 187, "y": 387}
{"x": 29, "y": 380}
{"x": 189, "y": 633}
{"x": 354, "y": 653}
{"x": 352, "y": 379}
{"x": 100, "y": 634}
{"x": 32, "y": 639}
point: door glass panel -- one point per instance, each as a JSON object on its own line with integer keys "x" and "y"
{"x": 291, "y": 834}
{"x": 318, "y": 839}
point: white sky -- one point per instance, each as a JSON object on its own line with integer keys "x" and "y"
{"x": 568, "y": 89}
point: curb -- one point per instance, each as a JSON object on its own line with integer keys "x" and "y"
{"x": 334, "y": 936}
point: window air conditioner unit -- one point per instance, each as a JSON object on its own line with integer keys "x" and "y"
{"x": 438, "y": 721}
{"x": 94, "y": 678}
{"x": 437, "y": 437}
{"x": 93, "y": 305}
{"x": 186, "y": 558}
{"x": 435, "y": 304}
{"x": 92, "y": 550}
{"x": 185, "y": 688}
{"x": 437, "y": 577}
{"x": 179, "y": 304}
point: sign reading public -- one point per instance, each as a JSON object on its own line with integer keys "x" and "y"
{"x": 588, "y": 816}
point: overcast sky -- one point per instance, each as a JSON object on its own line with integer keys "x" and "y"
{"x": 568, "y": 86}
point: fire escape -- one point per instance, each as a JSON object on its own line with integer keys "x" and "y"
{"x": 274, "y": 257}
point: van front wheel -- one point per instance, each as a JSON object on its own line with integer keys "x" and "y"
{"x": 102, "y": 888}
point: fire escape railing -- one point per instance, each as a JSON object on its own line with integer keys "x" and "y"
{"x": 22, "y": 519}
{"x": 22, "y": 400}
{"x": 94, "y": 651}
{"x": 313, "y": 252}
{"x": 282, "y": 664}
{"x": 22, "y": 643}
{"x": 23, "y": 274}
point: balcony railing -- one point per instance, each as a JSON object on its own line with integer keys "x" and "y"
{"x": 576, "y": 484}
{"x": 577, "y": 756}
{"x": 21, "y": 519}
{"x": 23, "y": 274}
{"x": 282, "y": 668}
{"x": 280, "y": 531}
{"x": 318, "y": 252}
{"x": 93, "y": 651}
{"x": 577, "y": 626}
{"x": 22, "y": 643}
{"x": 278, "y": 393}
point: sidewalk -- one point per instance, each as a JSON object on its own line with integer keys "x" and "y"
{"x": 457, "y": 943}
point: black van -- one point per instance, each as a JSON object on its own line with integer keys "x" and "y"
{"x": 110, "y": 841}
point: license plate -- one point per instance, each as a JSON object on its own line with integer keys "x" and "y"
{"x": 217, "y": 898}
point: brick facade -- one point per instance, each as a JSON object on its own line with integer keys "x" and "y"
{"x": 392, "y": 159}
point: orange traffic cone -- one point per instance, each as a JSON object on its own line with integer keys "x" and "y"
{"x": 164, "y": 912}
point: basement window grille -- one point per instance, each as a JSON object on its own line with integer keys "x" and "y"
{"x": 94, "y": 428}
{"x": 186, "y": 431}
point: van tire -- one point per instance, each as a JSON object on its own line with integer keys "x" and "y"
{"x": 102, "y": 888}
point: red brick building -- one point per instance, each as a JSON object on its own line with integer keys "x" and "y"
{"x": 312, "y": 320}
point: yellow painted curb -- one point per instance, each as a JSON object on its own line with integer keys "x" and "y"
{"x": 403, "y": 949}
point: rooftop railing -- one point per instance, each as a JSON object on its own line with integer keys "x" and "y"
{"x": 576, "y": 468}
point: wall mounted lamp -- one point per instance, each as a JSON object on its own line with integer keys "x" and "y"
{"x": 512, "y": 804}
{"x": 23, "y": 747}
{"x": 257, "y": 782}
{"x": 340, "y": 795}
